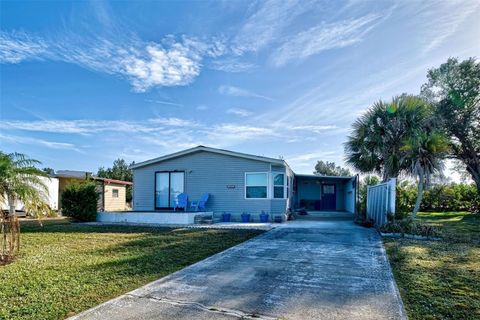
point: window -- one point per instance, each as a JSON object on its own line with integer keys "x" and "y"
{"x": 256, "y": 185}
{"x": 168, "y": 185}
{"x": 278, "y": 185}
{"x": 328, "y": 189}
{"x": 114, "y": 193}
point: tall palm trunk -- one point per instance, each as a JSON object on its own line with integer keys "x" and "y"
{"x": 10, "y": 232}
{"x": 419, "y": 193}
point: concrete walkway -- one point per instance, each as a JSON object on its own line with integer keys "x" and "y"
{"x": 300, "y": 270}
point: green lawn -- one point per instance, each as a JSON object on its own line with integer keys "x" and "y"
{"x": 65, "y": 267}
{"x": 440, "y": 279}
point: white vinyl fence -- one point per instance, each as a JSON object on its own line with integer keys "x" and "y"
{"x": 381, "y": 201}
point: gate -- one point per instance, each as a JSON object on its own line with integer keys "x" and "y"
{"x": 381, "y": 201}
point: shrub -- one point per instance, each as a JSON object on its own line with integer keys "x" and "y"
{"x": 79, "y": 201}
{"x": 438, "y": 198}
{"x": 409, "y": 226}
{"x": 405, "y": 200}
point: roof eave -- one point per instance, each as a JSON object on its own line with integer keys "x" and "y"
{"x": 207, "y": 149}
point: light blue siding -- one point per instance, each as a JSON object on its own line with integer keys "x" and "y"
{"x": 310, "y": 189}
{"x": 223, "y": 176}
{"x": 350, "y": 195}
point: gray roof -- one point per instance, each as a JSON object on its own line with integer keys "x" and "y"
{"x": 72, "y": 174}
{"x": 213, "y": 150}
{"x": 317, "y": 176}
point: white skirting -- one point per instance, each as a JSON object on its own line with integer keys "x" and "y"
{"x": 150, "y": 217}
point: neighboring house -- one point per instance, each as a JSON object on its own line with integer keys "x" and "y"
{"x": 112, "y": 192}
{"x": 51, "y": 197}
{"x": 237, "y": 182}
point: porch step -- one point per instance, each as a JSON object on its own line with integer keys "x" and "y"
{"x": 203, "y": 220}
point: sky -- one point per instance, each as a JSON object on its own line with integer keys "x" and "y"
{"x": 83, "y": 83}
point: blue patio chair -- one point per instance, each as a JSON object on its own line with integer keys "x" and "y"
{"x": 200, "y": 204}
{"x": 181, "y": 202}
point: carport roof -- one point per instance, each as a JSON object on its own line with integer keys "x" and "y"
{"x": 319, "y": 177}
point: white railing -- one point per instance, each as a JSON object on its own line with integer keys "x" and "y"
{"x": 381, "y": 201}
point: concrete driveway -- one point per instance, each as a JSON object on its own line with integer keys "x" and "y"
{"x": 300, "y": 270}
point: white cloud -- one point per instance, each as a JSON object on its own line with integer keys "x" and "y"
{"x": 174, "y": 62}
{"x": 307, "y": 160}
{"x": 323, "y": 37}
{"x": 441, "y": 20}
{"x": 231, "y": 65}
{"x": 168, "y": 103}
{"x": 162, "y": 131}
{"x": 40, "y": 142}
{"x": 18, "y": 46}
{"x": 239, "y": 92}
{"x": 239, "y": 112}
{"x": 266, "y": 24}
{"x": 313, "y": 128}
{"x": 173, "y": 122}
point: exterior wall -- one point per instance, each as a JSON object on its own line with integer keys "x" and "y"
{"x": 310, "y": 189}
{"x": 52, "y": 198}
{"x": 222, "y": 176}
{"x": 350, "y": 195}
{"x": 291, "y": 185}
{"x": 114, "y": 204}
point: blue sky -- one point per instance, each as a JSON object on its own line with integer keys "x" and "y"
{"x": 83, "y": 83}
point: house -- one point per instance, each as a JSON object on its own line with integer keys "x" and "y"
{"x": 112, "y": 192}
{"x": 237, "y": 182}
{"x": 51, "y": 197}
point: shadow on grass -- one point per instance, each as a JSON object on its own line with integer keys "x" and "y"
{"x": 440, "y": 279}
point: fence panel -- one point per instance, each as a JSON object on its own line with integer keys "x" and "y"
{"x": 381, "y": 201}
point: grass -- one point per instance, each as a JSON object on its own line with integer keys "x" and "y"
{"x": 64, "y": 268}
{"x": 440, "y": 279}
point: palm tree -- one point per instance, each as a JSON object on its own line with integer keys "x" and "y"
{"x": 19, "y": 180}
{"x": 376, "y": 141}
{"x": 424, "y": 153}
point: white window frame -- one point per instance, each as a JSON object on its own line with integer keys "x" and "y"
{"x": 268, "y": 186}
{"x": 285, "y": 177}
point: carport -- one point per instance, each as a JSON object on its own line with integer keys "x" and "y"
{"x": 325, "y": 193}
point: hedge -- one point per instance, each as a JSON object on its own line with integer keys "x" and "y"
{"x": 79, "y": 201}
{"x": 439, "y": 198}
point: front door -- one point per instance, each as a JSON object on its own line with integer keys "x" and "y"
{"x": 168, "y": 185}
{"x": 329, "y": 197}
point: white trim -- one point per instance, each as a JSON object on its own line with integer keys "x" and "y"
{"x": 212, "y": 150}
{"x": 245, "y": 186}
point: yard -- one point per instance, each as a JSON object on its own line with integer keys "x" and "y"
{"x": 65, "y": 267}
{"x": 440, "y": 279}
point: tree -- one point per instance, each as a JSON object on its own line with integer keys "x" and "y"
{"x": 119, "y": 171}
{"x": 454, "y": 89}
{"x": 19, "y": 180}
{"x": 330, "y": 169}
{"x": 48, "y": 171}
{"x": 375, "y": 144}
{"x": 369, "y": 180}
{"x": 424, "y": 153}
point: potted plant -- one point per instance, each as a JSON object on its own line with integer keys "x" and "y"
{"x": 226, "y": 216}
{"x": 263, "y": 217}
{"x": 245, "y": 217}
